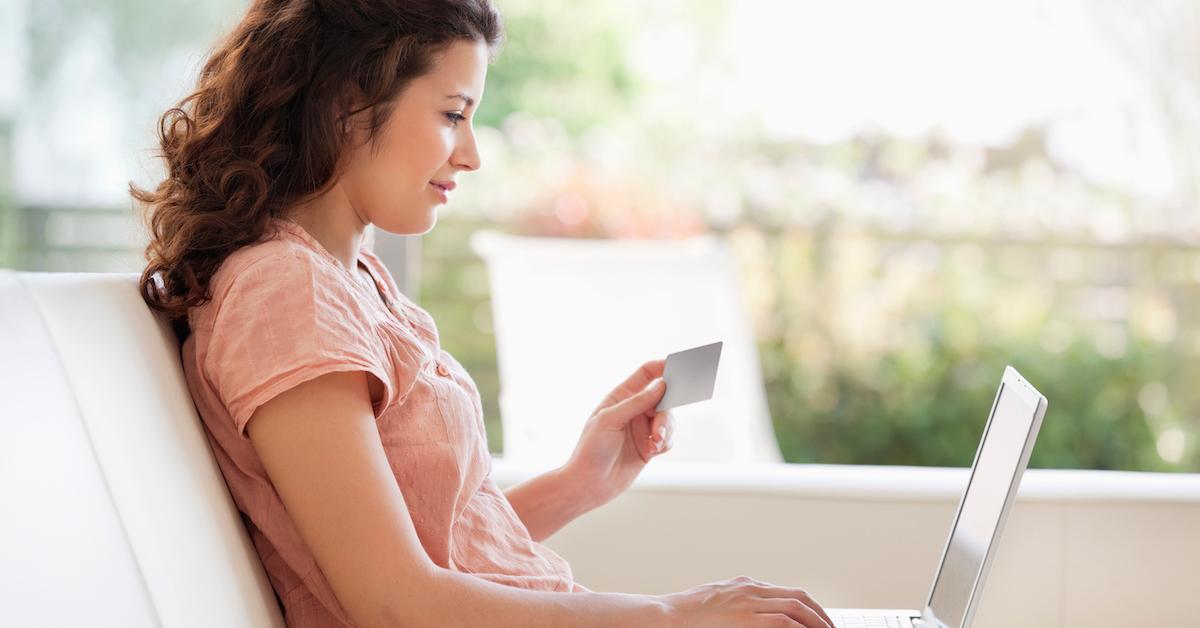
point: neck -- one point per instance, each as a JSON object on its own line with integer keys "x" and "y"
{"x": 332, "y": 221}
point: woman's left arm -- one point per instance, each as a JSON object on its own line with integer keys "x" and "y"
{"x": 550, "y": 501}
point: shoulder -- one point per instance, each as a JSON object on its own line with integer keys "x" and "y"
{"x": 275, "y": 254}
{"x": 278, "y": 273}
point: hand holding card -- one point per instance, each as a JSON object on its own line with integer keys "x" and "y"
{"x": 690, "y": 375}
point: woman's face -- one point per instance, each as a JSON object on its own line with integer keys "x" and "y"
{"x": 424, "y": 140}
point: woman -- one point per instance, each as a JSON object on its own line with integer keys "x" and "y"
{"x": 351, "y": 442}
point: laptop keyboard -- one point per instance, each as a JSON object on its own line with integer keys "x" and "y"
{"x": 869, "y": 621}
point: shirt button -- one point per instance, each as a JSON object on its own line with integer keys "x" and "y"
{"x": 442, "y": 370}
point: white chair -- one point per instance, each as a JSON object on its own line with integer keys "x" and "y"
{"x": 574, "y": 317}
{"x": 113, "y": 511}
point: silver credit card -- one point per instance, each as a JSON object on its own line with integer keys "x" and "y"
{"x": 690, "y": 375}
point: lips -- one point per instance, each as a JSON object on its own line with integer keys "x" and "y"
{"x": 445, "y": 185}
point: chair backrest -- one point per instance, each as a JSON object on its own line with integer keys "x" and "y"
{"x": 113, "y": 511}
{"x": 574, "y": 317}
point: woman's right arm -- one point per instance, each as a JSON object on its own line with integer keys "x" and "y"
{"x": 321, "y": 449}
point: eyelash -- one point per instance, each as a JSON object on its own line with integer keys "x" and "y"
{"x": 456, "y": 118}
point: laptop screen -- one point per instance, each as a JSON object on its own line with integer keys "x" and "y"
{"x": 999, "y": 456}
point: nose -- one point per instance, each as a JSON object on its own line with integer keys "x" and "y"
{"x": 466, "y": 153}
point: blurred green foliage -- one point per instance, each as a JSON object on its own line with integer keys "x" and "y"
{"x": 559, "y": 59}
{"x": 929, "y": 406}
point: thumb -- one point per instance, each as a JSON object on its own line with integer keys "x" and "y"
{"x": 638, "y": 403}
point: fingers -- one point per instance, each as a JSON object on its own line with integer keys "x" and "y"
{"x": 776, "y": 620}
{"x": 792, "y": 608}
{"x": 655, "y": 367}
{"x": 662, "y": 430}
{"x": 787, "y": 593}
{"x": 646, "y": 373}
{"x": 640, "y": 403}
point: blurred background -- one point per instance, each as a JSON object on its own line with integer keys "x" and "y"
{"x": 917, "y": 193}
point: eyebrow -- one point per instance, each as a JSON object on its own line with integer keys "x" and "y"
{"x": 470, "y": 101}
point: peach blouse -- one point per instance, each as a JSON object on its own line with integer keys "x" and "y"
{"x": 284, "y": 311}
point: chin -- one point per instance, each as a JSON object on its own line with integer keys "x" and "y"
{"x": 410, "y": 226}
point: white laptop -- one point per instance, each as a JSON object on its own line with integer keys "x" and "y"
{"x": 1003, "y": 454}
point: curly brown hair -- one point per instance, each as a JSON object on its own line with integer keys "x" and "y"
{"x": 260, "y": 132}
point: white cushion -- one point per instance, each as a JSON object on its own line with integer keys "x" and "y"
{"x": 114, "y": 510}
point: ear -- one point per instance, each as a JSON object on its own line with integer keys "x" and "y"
{"x": 349, "y": 109}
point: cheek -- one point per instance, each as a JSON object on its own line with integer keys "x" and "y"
{"x": 377, "y": 186}
{"x": 412, "y": 157}
{"x": 400, "y": 171}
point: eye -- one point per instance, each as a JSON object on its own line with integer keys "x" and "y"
{"x": 455, "y": 117}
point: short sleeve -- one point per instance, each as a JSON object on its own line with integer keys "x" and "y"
{"x": 283, "y": 320}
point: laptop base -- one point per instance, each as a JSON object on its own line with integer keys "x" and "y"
{"x": 875, "y": 618}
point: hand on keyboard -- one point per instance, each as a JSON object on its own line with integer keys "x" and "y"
{"x": 744, "y": 601}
